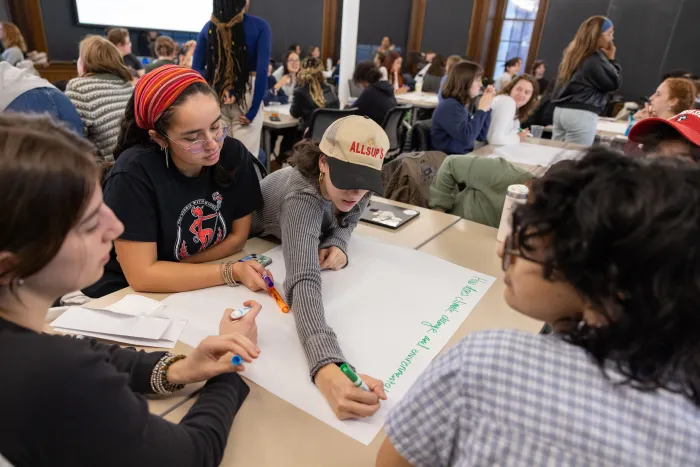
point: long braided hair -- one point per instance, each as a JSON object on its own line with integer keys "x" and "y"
{"x": 311, "y": 73}
{"x": 227, "y": 64}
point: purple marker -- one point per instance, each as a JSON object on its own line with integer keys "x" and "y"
{"x": 268, "y": 281}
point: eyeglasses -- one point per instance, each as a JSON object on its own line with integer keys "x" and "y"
{"x": 198, "y": 146}
{"x": 511, "y": 251}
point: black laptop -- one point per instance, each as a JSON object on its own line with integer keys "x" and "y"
{"x": 388, "y": 215}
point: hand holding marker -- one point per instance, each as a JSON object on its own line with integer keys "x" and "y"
{"x": 275, "y": 294}
{"x": 352, "y": 376}
{"x": 235, "y": 315}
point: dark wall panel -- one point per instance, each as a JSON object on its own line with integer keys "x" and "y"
{"x": 62, "y": 32}
{"x": 4, "y": 11}
{"x": 446, "y": 26}
{"x": 291, "y": 22}
{"x": 643, "y": 28}
{"x": 379, "y": 18}
{"x": 682, "y": 53}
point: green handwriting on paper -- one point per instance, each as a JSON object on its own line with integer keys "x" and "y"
{"x": 433, "y": 328}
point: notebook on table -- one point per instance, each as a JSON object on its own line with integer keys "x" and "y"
{"x": 387, "y": 215}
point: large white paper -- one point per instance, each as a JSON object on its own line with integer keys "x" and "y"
{"x": 533, "y": 154}
{"x": 114, "y": 324}
{"x": 393, "y": 310}
{"x": 167, "y": 341}
{"x": 283, "y": 109}
{"x": 426, "y": 98}
{"x": 136, "y": 305}
{"x": 612, "y": 127}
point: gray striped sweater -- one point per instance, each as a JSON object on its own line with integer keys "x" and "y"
{"x": 295, "y": 212}
{"x": 101, "y": 101}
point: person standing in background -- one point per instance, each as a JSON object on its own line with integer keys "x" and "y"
{"x": 386, "y": 46}
{"x": 672, "y": 97}
{"x": 587, "y": 75}
{"x": 512, "y": 67}
{"x": 146, "y": 43}
{"x": 13, "y": 43}
{"x": 539, "y": 69}
{"x": 166, "y": 51}
{"x": 120, "y": 38}
{"x": 186, "y": 54}
{"x": 230, "y": 48}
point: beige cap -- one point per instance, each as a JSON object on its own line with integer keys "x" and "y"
{"x": 356, "y": 147}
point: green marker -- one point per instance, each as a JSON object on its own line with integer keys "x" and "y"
{"x": 352, "y": 376}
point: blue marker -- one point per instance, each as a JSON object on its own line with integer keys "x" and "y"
{"x": 237, "y": 360}
{"x": 240, "y": 313}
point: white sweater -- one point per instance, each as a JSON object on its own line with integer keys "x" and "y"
{"x": 504, "y": 125}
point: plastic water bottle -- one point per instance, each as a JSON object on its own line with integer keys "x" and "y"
{"x": 517, "y": 195}
{"x": 632, "y": 121}
{"x": 329, "y": 64}
{"x": 419, "y": 84}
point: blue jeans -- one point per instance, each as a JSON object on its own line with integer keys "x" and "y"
{"x": 48, "y": 101}
{"x": 574, "y": 126}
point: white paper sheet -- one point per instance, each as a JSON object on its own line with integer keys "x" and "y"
{"x": 283, "y": 109}
{"x": 533, "y": 154}
{"x": 612, "y": 127}
{"x": 393, "y": 310}
{"x": 167, "y": 341}
{"x": 135, "y": 305}
{"x": 113, "y": 324}
{"x": 428, "y": 98}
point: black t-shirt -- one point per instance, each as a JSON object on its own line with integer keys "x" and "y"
{"x": 132, "y": 61}
{"x": 182, "y": 215}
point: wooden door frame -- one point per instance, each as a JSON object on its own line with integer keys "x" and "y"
{"x": 329, "y": 29}
{"x": 479, "y": 34}
{"x": 26, "y": 14}
{"x": 415, "y": 29}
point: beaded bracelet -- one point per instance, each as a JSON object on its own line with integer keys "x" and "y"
{"x": 159, "y": 376}
{"x": 226, "y": 270}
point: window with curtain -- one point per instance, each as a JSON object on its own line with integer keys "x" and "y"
{"x": 516, "y": 34}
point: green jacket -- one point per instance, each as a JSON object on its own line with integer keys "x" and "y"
{"x": 474, "y": 187}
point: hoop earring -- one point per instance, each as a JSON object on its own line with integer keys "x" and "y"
{"x": 165, "y": 150}
{"x": 320, "y": 178}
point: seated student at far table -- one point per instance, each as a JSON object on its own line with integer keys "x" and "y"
{"x": 313, "y": 207}
{"x": 455, "y": 129}
{"x": 184, "y": 191}
{"x": 482, "y": 183}
{"x": 678, "y": 136}
{"x": 594, "y": 255}
{"x": 78, "y": 402}
{"x": 512, "y": 105}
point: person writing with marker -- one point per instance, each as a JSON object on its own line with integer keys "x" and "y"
{"x": 313, "y": 208}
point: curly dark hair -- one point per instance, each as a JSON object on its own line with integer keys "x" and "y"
{"x": 305, "y": 159}
{"x": 366, "y": 72}
{"x": 624, "y": 232}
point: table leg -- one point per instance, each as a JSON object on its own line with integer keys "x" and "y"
{"x": 414, "y": 115}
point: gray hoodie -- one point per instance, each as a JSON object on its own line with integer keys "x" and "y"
{"x": 14, "y": 82}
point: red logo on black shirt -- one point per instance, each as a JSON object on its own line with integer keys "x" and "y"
{"x": 200, "y": 226}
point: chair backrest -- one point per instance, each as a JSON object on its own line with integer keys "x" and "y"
{"x": 355, "y": 89}
{"x": 321, "y": 119}
{"x": 392, "y": 127}
{"x": 420, "y": 135}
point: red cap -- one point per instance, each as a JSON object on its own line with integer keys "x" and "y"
{"x": 686, "y": 123}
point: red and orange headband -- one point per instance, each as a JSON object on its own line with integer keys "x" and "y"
{"x": 157, "y": 90}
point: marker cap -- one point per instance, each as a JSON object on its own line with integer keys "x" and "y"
{"x": 349, "y": 373}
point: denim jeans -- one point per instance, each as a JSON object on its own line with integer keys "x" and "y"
{"x": 574, "y": 126}
{"x": 48, "y": 101}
